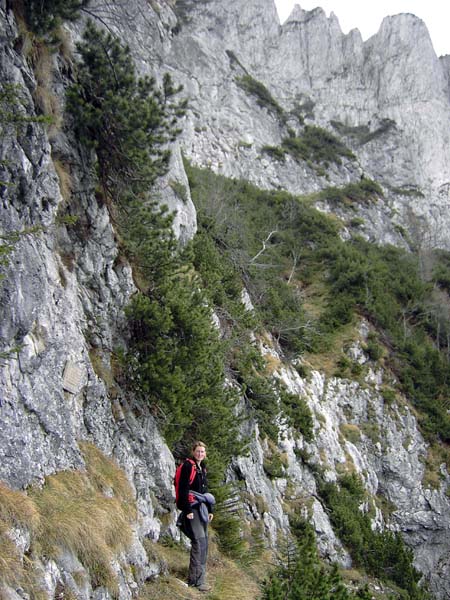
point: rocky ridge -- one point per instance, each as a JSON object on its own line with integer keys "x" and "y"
{"x": 63, "y": 294}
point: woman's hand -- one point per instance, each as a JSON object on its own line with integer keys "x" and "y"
{"x": 210, "y": 517}
{"x": 190, "y": 516}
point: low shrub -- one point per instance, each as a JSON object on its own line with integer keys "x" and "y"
{"x": 298, "y": 413}
{"x": 382, "y": 554}
{"x": 307, "y": 285}
{"x": 44, "y": 16}
{"x": 362, "y": 192}
{"x": 302, "y": 574}
{"x": 318, "y": 145}
{"x": 361, "y": 134}
{"x": 264, "y": 98}
{"x": 275, "y": 152}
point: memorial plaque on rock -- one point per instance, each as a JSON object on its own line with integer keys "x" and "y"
{"x": 72, "y": 377}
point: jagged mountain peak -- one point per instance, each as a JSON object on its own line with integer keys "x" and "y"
{"x": 406, "y": 29}
{"x": 393, "y": 78}
{"x": 300, "y": 15}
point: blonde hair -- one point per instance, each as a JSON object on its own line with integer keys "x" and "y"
{"x": 197, "y": 444}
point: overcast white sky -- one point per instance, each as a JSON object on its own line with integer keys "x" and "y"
{"x": 367, "y": 16}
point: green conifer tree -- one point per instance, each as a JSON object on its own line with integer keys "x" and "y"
{"x": 273, "y": 589}
{"x": 43, "y": 16}
{"x": 128, "y": 120}
{"x": 303, "y": 576}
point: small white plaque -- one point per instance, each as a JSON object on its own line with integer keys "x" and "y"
{"x": 72, "y": 377}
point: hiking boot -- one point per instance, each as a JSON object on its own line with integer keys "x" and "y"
{"x": 203, "y": 587}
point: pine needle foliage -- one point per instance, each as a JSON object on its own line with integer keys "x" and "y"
{"x": 43, "y": 16}
{"x": 14, "y": 112}
{"x": 177, "y": 359}
{"x": 282, "y": 249}
{"x": 174, "y": 359}
{"x": 302, "y": 575}
{"x": 127, "y": 119}
{"x": 318, "y": 145}
{"x": 262, "y": 236}
{"x": 362, "y": 192}
{"x": 264, "y": 98}
{"x": 382, "y": 554}
{"x": 222, "y": 258}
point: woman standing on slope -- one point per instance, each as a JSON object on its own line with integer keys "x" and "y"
{"x": 196, "y": 513}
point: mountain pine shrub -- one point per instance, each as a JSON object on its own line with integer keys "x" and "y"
{"x": 127, "y": 119}
{"x": 441, "y": 272}
{"x": 264, "y": 98}
{"x": 174, "y": 359}
{"x": 318, "y": 145}
{"x": 382, "y": 554}
{"x": 43, "y": 16}
{"x": 362, "y": 192}
{"x": 301, "y": 574}
{"x": 290, "y": 258}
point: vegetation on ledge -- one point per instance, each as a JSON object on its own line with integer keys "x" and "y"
{"x": 44, "y": 16}
{"x": 317, "y": 145}
{"x": 264, "y": 98}
{"x": 290, "y": 257}
{"x": 313, "y": 144}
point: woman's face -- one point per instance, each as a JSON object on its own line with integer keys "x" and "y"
{"x": 199, "y": 453}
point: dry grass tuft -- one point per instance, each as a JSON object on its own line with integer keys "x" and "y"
{"x": 89, "y": 513}
{"x": 436, "y": 457}
{"x": 227, "y": 578}
{"x": 104, "y": 365}
{"x": 11, "y": 568}
{"x": 44, "y": 97}
{"x": 326, "y": 362}
{"x": 107, "y": 476}
{"x": 65, "y": 179}
{"x": 38, "y": 54}
{"x": 16, "y": 510}
{"x": 351, "y": 432}
{"x": 167, "y": 587}
{"x": 173, "y": 557}
{"x": 273, "y": 363}
{"x": 65, "y": 44}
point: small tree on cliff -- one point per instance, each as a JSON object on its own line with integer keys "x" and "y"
{"x": 129, "y": 122}
{"x": 43, "y": 16}
{"x": 127, "y": 119}
{"x": 174, "y": 356}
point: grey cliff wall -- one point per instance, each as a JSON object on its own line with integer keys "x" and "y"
{"x": 393, "y": 86}
{"x": 62, "y": 301}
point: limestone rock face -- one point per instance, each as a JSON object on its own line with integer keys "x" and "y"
{"x": 387, "y": 97}
{"x": 354, "y": 425}
{"x": 65, "y": 285}
{"x": 61, "y": 303}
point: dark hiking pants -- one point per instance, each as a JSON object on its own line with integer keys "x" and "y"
{"x": 198, "y": 534}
